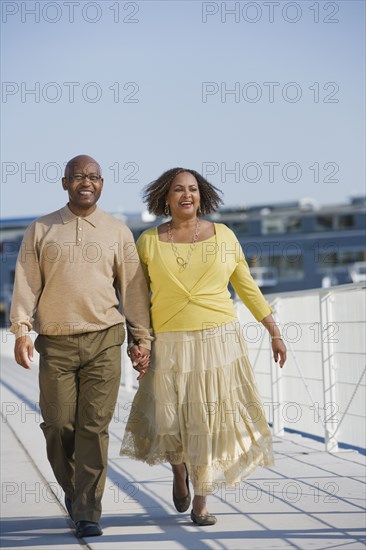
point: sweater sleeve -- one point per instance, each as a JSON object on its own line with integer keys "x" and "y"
{"x": 134, "y": 292}
{"x": 247, "y": 289}
{"x": 27, "y": 285}
{"x": 141, "y": 250}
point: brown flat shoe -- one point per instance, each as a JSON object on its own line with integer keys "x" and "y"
{"x": 208, "y": 519}
{"x": 182, "y": 504}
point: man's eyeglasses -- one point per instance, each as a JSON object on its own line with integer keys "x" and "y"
{"x": 80, "y": 177}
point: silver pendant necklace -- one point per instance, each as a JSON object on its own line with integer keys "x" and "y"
{"x": 183, "y": 263}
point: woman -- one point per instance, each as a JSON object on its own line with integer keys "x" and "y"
{"x": 197, "y": 407}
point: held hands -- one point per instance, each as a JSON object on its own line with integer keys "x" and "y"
{"x": 140, "y": 358}
{"x": 23, "y": 351}
{"x": 279, "y": 350}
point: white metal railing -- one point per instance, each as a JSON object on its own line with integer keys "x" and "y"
{"x": 321, "y": 390}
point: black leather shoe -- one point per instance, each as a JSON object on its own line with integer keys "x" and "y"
{"x": 182, "y": 504}
{"x": 87, "y": 529}
{"x": 68, "y": 506}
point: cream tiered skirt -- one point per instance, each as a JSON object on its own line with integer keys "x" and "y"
{"x": 198, "y": 404}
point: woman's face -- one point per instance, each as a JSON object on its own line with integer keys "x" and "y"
{"x": 183, "y": 196}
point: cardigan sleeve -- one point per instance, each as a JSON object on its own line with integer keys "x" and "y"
{"x": 142, "y": 250}
{"x": 248, "y": 290}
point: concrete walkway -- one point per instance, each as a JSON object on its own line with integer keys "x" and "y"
{"x": 309, "y": 500}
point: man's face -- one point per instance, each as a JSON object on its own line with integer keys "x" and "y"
{"x": 84, "y": 184}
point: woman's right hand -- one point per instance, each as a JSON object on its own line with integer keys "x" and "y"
{"x": 279, "y": 351}
{"x": 140, "y": 358}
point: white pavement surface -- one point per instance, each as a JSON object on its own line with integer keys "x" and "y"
{"x": 310, "y": 500}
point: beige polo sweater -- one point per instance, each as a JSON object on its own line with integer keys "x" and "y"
{"x": 72, "y": 273}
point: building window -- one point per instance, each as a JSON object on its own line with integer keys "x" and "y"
{"x": 293, "y": 225}
{"x": 351, "y": 256}
{"x": 340, "y": 259}
{"x": 273, "y": 225}
{"x": 327, "y": 259}
{"x": 346, "y": 221}
{"x": 288, "y": 267}
{"x": 324, "y": 223}
{"x": 292, "y": 267}
{"x": 239, "y": 227}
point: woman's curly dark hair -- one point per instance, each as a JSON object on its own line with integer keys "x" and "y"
{"x": 155, "y": 193}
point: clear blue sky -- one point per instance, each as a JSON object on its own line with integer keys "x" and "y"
{"x": 144, "y": 88}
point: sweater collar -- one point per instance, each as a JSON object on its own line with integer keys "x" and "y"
{"x": 68, "y": 216}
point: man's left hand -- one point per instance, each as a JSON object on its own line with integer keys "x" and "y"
{"x": 140, "y": 358}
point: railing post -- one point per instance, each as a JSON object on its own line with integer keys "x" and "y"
{"x": 276, "y": 378}
{"x": 329, "y": 376}
{"x": 127, "y": 380}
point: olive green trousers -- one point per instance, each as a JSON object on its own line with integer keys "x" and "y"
{"x": 79, "y": 378}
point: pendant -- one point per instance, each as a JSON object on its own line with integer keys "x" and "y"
{"x": 181, "y": 262}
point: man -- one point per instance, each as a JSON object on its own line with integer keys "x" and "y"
{"x": 74, "y": 268}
